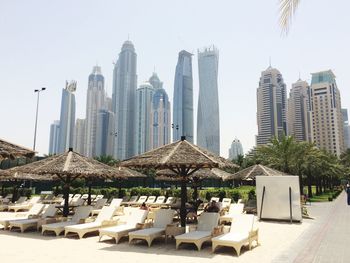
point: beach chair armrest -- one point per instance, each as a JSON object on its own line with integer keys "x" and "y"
{"x": 217, "y": 231}
{"x": 33, "y": 216}
{"x": 144, "y": 225}
{"x": 192, "y": 228}
{"x": 254, "y": 232}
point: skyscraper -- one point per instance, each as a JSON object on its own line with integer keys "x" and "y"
{"x": 271, "y": 108}
{"x": 79, "y": 136}
{"x": 67, "y": 117}
{"x": 208, "y": 123}
{"x": 96, "y": 99}
{"x": 144, "y": 95}
{"x": 124, "y": 101}
{"x": 327, "y": 121}
{"x": 299, "y": 112}
{"x": 54, "y": 135}
{"x": 183, "y": 98}
{"x": 160, "y": 119}
{"x": 155, "y": 81}
{"x": 105, "y": 133}
{"x": 235, "y": 149}
{"x": 346, "y": 128}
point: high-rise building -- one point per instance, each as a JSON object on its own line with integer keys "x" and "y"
{"x": 109, "y": 104}
{"x": 183, "y": 98}
{"x": 96, "y": 101}
{"x": 208, "y": 123}
{"x": 271, "y": 110}
{"x": 54, "y": 135}
{"x": 79, "y": 136}
{"x": 155, "y": 81}
{"x": 144, "y": 95}
{"x": 346, "y": 128}
{"x": 299, "y": 112}
{"x": 160, "y": 119}
{"x": 124, "y": 101}
{"x": 105, "y": 133}
{"x": 327, "y": 121}
{"x": 235, "y": 150}
{"x": 67, "y": 117}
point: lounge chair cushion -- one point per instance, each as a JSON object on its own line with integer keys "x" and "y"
{"x": 116, "y": 229}
{"x": 232, "y": 237}
{"x": 84, "y": 226}
{"x": 194, "y": 235}
{"x": 148, "y": 232}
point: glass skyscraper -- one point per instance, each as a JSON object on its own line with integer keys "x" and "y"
{"x": 183, "y": 98}
{"x": 54, "y": 135}
{"x": 271, "y": 110}
{"x": 208, "y": 123}
{"x": 96, "y": 100}
{"x": 67, "y": 118}
{"x": 144, "y": 95}
{"x": 160, "y": 119}
{"x": 235, "y": 150}
{"x": 124, "y": 102}
{"x": 105, "y": 133}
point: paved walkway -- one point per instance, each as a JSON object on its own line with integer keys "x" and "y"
{"x": 327, "y": 240}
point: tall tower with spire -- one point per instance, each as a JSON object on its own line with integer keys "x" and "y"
{"x": 183, "y": 98}
{"x": 96, "y": 101}
{"x": 124, "y": 102}
{"x": 271, "y": 106}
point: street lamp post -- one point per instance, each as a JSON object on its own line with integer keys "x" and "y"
{"x": 36, "y": 115}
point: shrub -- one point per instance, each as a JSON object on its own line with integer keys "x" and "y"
{"x": 251, "y": 195}
{"x": 330, "y": 198}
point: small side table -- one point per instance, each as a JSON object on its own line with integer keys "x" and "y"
{"x": 172, "y": 231}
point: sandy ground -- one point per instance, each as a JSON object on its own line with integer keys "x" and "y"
{"x": 33, "y": 247}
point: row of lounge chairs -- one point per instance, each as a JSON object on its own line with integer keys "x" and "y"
{"x": 132, "y": 225}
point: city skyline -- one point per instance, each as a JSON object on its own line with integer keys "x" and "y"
{"x": 46, "y": 50}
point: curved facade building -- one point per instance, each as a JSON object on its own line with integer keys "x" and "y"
{"x": 124, "y": 102}
{"x": 183, "y": 98}
{"x": 208, "y": 121}
{"x": 160, "y": 119}
{"x": 96, "y": 99}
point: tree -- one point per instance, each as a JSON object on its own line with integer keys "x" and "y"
{"x": 287, "y": 10}
{"x": 279, "y": 153}
{"x": 107, "y": 159}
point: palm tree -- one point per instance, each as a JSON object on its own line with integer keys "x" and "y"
{"x": 287, "y": 10}
{"x": 107, "y": 159}
{"x": 279, "y": 153}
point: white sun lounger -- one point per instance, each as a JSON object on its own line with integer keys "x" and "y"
{"x": 24, "y": 224}
{"x": 242, "y": 232}
{"x": 33, "y": 211}
{"x": 25, "y": 205}
{"x": 115, "y": 203}
{"x": 104, "y": 219}
{"x": 207, "y": 222}
{"x": 151, "y": 199}
{"x": 163, "y": 217}
{"x": 135, "y": 216}
{"x": 20, "y": 200}
{"x": 81, "y": 213}
{"x": 226, "y": 202}
{"x": 235, "y": 209}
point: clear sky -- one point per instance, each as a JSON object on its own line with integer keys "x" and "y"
{"x": 45, "y": 43}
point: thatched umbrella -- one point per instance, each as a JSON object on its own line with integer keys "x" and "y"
{"x": 249, "y": 174}
{"x": 195, "y": 178}
{"x": 68, "y": 167}
{"x": 12, "y": 151}
{"x": 184, "y": 159}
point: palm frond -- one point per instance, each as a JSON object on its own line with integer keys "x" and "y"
{"x": 287, "y": 9}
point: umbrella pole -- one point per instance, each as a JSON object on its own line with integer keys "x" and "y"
{"x": 14, "y": 193}
{"x": 183, "y": 198}
{"x": 66, "y": 196}
{"x": 120, "y": 188}
{"x": 89, "y": 193}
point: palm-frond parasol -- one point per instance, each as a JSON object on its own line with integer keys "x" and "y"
{"x": 69, "y": 166}
{"x": 183, "y": 158}
{"x": 12, "y": 151}
{"x": 249, "y": 174}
